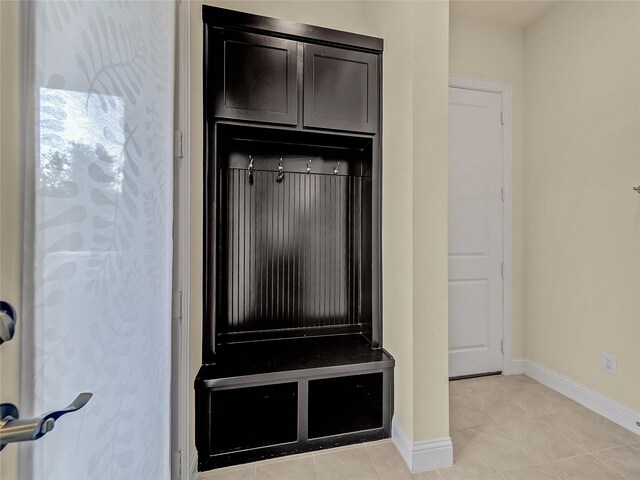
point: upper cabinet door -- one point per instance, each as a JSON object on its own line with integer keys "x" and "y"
{"x": 254, "y": 77}
{"x": 340, "y": 89}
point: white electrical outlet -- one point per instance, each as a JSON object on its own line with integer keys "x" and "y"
{"x": 608, "y": 362}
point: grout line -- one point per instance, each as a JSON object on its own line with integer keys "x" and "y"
{"x": 528, "y": 449}
{"x": 561, "y": 473}
{"x": 633, "y": 442}
{"x": 548, "y": 464}
{"x": 324, "y": 451}
{"x": 597, "y": 427}
{"x": 214, "y": 473}
{"x": 568, "y": 458}
{"x": 372, "y": 462}
{"x": 606, "y": 430}
{"x": 521, "y": 446}
{"x": 610, "y": 466}
{"x": 487, "y": 461}
{"x": 284, "y": 458}
{"x": 315, "y": 467}
{"x": 555, "y": 430}
{"x": 505, "y": 392}
{"x": 575, "y": 443}
{"x": 611, "y": 448}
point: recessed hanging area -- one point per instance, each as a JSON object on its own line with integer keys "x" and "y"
{"x": 295, "y": 257}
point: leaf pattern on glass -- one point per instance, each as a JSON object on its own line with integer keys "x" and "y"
{"x": 113, "y": 59}
{"x": 102, "y": 86}
{"x": 117, "y": 190}
{"x": 57, "y": 15}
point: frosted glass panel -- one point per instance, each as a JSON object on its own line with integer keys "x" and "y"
{"x": 98, "y": 237}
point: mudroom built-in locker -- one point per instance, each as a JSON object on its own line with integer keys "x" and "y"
{"x": 292, "y": 327}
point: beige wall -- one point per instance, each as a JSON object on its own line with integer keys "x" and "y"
{"x": 494, "y": 51}
{"x": 430, "y": 220}
{"x": 415, "y": 170}
{"x": 10, "y": 225}
{"x": 582, "y": 220}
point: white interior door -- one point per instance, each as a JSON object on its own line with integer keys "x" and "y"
{"x": 96, "y": 248}
{"x": 475, "y": 232}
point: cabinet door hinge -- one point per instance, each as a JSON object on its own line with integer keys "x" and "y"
{"x": 502, "y": 346}
{"x": 179, "y": 144}
{"x": 501, "y": 118}
{"x": 502, "y": 269}
{"x": 502, "y": 194}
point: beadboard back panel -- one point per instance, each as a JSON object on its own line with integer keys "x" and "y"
{"x": 291, "y": 255}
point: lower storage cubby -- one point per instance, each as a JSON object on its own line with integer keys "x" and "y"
{"x": 302, "y": 395}
{"x": 345, "y": 404}
{"x": 245, "y": 418}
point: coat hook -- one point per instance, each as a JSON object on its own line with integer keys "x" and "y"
{"x": 280, "y": 176}
{"x": 309, "y": 166}
{"x": 250, "y": 169}
{"x": 336, "y": 169}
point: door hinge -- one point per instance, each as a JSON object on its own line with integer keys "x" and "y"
{"x": 501, "y": 118}
{"x": 177, "y": 305}
{"x": 178, "y": 464}
{"x": 502, "y": 346}
{"x": 179, "y": 144}
{"x": 502, "y": 269}
{"x": 502, "y": 194}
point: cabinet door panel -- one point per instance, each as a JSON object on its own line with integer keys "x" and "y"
{"x": 255, "y": 78}
{"x": 340, "y": 89}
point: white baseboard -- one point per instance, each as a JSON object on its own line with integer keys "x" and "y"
{"x": 193, "y": 466}
{"x": 517, "y": 366}
{"x": 423, "y": 455}
{"x": 618, "y": 413}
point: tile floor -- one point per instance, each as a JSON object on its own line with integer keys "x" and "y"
{"x": 503, "y": 428}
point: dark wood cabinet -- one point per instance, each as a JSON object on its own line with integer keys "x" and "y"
{"x": 255, "y": 77}
{"x": 292, "y": 356}
{"x": 340, "y": 89}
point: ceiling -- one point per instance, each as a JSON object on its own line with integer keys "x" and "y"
{"x": 517, "y": 13}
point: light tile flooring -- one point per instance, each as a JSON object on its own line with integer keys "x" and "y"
{"x": 503, "y": 428}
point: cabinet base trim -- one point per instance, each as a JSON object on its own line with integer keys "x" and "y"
{"x": 422, "y": 455}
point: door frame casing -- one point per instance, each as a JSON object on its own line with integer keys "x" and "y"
{"x": 12, "y": 96}
{"x": 504, "y": 89}
{"x": 180, "y": 404}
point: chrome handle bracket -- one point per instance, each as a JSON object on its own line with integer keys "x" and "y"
{"x": 15, "y": 429}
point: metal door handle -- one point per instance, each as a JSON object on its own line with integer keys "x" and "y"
{"x": 14, "y": 429}
{"x": 637, "y": 189}
{"x": 7, "y": 322}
